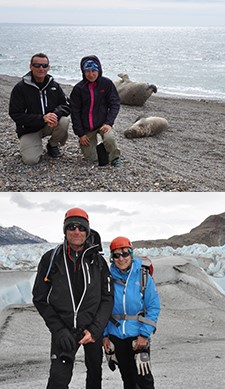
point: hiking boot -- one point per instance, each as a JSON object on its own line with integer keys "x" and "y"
{"x": 54, "y": 151}
{"x": 116, "y": 162}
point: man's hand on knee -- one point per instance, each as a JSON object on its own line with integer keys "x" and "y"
{"x": 51, "y": 119}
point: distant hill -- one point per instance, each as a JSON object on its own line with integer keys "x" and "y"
{"x": 210, "y": 232}
{"x": 16, "y": 235}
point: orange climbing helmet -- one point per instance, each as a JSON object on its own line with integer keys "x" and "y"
{"x": 119, "y": 243}
{"x": 76, "y": 215}
{"x": 76, "y": 212}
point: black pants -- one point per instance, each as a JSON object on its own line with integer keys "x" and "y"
{"x": 61, "y": 371}
{"x": 127, "y": 366}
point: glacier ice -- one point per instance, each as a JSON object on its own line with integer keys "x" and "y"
{"x": 18, "y": 264}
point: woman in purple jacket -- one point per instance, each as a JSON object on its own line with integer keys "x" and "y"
{"x": 95, "y": 105}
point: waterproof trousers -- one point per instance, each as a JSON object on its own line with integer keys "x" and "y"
{"x": 127, "y": 366}
{"x": 109, "y": 142}
{"x": 61, "y": 370}
{"x": 31, "y": 144}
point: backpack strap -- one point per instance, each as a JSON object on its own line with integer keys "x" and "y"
{"x": 144, "y": 278}
{"x": 46, "y": 279}
{"x": 120, "y": 282}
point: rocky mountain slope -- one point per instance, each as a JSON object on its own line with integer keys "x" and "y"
{"x": 16, "y": 235}
{"x": 210, "y": 232}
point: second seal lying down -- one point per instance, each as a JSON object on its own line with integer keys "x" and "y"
{"x": 146, "y": 127}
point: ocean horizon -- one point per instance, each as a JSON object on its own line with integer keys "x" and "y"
{"x": 181, "y": 61}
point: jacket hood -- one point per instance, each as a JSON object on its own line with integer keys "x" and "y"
{"x": 94, "y": 58}
{"x": 28, "y": 79}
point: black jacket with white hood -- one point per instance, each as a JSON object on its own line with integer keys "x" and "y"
{"x": 54, "y": 297}
{"x": 29, "y": 102}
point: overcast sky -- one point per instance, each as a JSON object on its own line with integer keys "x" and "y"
{"x": 135, "y": 215}
{"x": 115, "y": 12}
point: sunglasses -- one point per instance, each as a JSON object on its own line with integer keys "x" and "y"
{"x": 72, "y": 227}
{"x": 38, "y": 65}
{"x": 118, "y": 255}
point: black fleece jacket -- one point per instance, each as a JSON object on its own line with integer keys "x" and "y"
{"x": 102, "y": 106}
{"x": 29, "y": 103}
{"x": 53, "y": 298}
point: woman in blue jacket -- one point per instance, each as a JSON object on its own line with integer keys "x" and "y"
{"x": 134, "y": 317}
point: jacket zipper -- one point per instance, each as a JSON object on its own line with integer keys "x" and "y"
{"x": 88, "y": 273}
{"x": 46, "y": 99}
{"x": 48, "y": 297}
{"x": 109, "y": 285}
{"x": 70, "y": 286}
{"x": 42, "y": 102}
{"x": 124, "y": 300}
{"x": 75, "y": 310}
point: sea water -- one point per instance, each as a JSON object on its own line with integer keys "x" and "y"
{"x": 181, "y": 61}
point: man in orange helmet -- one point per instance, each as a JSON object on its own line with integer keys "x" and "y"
{"x": 73, "y": 292}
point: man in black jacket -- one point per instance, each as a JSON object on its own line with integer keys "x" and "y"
{"x": 73, "y": 292}
{"x": 95, "y": 105}
{"x": 40, "y": 108}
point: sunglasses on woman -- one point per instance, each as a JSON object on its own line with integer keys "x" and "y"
{"x": 118, "y": 255}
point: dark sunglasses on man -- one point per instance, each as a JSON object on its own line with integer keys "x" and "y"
{"x": 38, "y": 65}
{"x": 72, "y": 227}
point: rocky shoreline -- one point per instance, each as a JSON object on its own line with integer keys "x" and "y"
{"x": 189, "y": 156}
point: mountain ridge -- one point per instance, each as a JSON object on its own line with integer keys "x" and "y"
{"x": 16, "y": 235}
{"x": 210, "y": 232}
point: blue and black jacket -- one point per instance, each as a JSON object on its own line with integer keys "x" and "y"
{"x": 134, "y": 313}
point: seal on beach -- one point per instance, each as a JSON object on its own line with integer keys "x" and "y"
{"x": 133, "y": 93}
{"x": 149, "y": 126}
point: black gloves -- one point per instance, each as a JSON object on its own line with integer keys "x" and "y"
{"x": 65, "y": 340}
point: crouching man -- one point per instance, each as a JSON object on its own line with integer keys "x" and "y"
{"x": 39, "y": 108}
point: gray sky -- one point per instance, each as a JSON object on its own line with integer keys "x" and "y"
{"x": 135, "y": 215}
{"x": 115, "y": 12}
